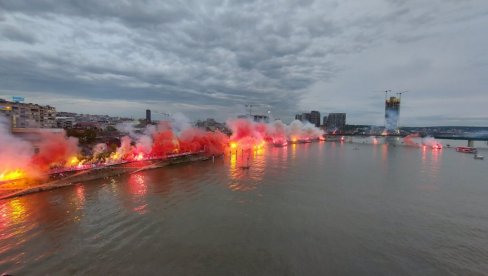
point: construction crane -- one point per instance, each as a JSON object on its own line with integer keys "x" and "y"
{"x": 166, "y": 116}
{"x": 400, "y": 94}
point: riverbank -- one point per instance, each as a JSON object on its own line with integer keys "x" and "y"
{"x": 28, "y": 186}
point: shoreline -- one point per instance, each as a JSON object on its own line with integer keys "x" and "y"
{"x": 102, "y": 172}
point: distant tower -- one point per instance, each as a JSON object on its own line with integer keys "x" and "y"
{"x": 392, "y": 113}
{"x": 148, "y": 116}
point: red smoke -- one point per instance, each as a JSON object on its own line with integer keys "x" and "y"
{"x": 55, "y": 149}
{"x": 246, "y": 133}
{"x": 164, "y": 143}
{"x": 213, "y": 143}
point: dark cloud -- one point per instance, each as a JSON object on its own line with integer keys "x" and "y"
{"x": 14, "y": 33}
{"x": 211, "y": 54}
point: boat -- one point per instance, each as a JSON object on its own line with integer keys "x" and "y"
{"x": 466, "y": 149}
{"x": 478, "y": 157}
{"x": 437, "y": 147}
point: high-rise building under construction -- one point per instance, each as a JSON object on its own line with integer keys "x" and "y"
{"x": 392, "y": 114}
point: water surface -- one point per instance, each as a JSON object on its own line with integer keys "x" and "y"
{"x": 309, "y": 209}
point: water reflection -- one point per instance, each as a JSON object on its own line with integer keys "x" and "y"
{"x": 431, "y": 165}
{"x": 246, "y": 169}
{"x": 137, "y": 185}
{"x": 384, "y": 153}
{"x": 12, "y": 213}
{"x": 435, "y": 165}
{"x": 424, "y": 154}
{"x": 138, "y": 188}
{"x": 293, "y": 151}
{"x": 80, "y": 195}
{"x": 17, "y": 210}
{"x": 279, "y": 156}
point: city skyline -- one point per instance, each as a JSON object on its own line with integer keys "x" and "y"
{"x": 210, "y": 59}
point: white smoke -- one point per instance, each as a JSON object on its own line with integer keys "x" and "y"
{"x": 127, "y": 127}
{"x": 14, "y": 152}
{"x": 180, "y": 122}
{"x": 300, "y": 130}
{"x": 99, "y": 148}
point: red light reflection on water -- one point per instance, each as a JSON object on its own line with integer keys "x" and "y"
{"x": 384, "y": 152}
{"x": 80, "y": 194}
{"x": 137, "y": 185}
{"x": 138, "y": 188}
{"x": 246, "y": 169}
{"x": 435, "y": 155}
{"x": 293, "y": 151}
{"x": 424, "y": 153}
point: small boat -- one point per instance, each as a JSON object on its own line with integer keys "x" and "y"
{"x": 478, "y": 157}
{"x": 466, "y": 149}
{"x": 437, "y": 147}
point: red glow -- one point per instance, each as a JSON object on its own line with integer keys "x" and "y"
{"x": 56, "y": 153}
{"x": 137, "y": 185}
{"x": 140, "y": 157}
{"x": 437, "y": 147}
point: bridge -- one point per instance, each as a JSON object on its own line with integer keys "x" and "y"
{"x": 468, "y": 138}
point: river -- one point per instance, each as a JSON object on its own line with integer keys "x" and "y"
{"x": 306, "y": 209}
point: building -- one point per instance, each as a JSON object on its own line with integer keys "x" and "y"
{"x": 28, "y": 115}
{"x": 260, "y": 118}
{"x": 304, "y": 117}
{"x": 336, "y": 121}
{"x": 148, "y": 116}
{"x": 392, "y": 114}
{"x": 103, "y": 120}
{"x": 212, "y": 125}
{"x": 315, "y": 118}
{"x": 65, "y": 122}
{"x": 324, "y": 121}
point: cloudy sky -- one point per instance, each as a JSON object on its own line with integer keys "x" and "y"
{"x": 210, "y": 58}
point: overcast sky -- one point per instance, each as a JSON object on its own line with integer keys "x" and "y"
{"x": 210, "y": 58}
